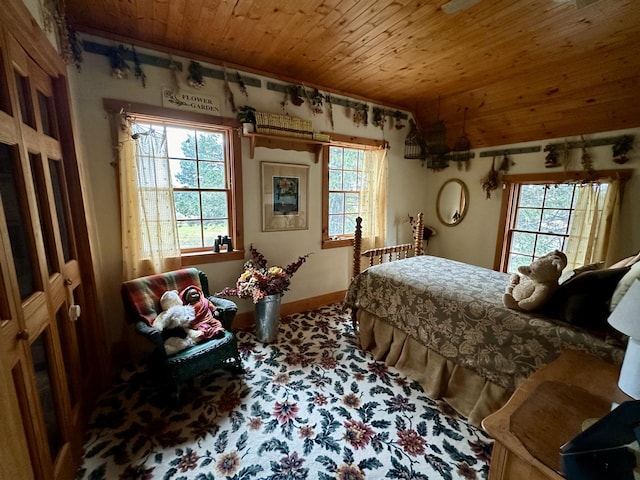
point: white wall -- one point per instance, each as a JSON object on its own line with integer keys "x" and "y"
{"x": 474, "y": 239}
{"x": 325, "y": 272}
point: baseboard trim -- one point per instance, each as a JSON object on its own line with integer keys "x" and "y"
{"x": 246, "y": 320}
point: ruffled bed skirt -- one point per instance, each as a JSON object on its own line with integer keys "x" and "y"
{"x": 467, "y": 392}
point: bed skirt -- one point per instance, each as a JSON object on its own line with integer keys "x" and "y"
{"x": 465, "y": 391}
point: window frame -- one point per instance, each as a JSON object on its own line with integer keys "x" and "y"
{"x": 344, "y": 141}
{"x": 195, "y": 120}
{"x": 510, "y": 192}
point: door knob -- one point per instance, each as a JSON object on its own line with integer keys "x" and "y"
{"x": 23, "y": 334}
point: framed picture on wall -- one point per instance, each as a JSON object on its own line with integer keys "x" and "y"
{"x": 284, "y": 196}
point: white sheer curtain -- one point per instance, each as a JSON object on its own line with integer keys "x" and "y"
{"x": 148, "y": 223}
{"x": 373, "y": 199}
{"x": 594, "y": 228}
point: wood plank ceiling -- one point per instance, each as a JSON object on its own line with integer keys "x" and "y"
{"x": 524, "y": 69}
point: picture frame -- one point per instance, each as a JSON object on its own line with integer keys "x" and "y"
{"x": 285, "y": 202}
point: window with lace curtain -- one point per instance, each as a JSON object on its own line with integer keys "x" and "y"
{"x": 180, "y": 187}
{"x": 547, "y": 212}
{"x": 354, "y": 185}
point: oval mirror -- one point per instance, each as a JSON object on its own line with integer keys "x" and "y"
{"x": 452, "y": 202}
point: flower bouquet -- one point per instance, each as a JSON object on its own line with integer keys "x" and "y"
{"x": 259, "y": 280}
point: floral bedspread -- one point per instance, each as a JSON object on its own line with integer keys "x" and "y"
{"x": 456, "y": 310}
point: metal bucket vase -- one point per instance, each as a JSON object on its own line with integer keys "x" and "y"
{"x": 267, "y": 313}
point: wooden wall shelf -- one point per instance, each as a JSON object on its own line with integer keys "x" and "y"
{"x": 285, "y": 143}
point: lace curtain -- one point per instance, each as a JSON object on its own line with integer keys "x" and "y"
{"x": 593, "y": 234}
{"x": 373, "y": 199}
{"x": 148, "y": 223}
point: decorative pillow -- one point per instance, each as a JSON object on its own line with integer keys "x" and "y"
{"x": 584, "y": 299}
{"x": 585, "y": 268}
{"x": 624, "y": 284}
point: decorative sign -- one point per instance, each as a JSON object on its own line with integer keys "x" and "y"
{"x": 194, "y": 102}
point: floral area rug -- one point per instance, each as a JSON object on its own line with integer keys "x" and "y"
{"x": 310, "y": 405}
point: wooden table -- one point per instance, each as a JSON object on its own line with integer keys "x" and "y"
{"x": 548, "y": 410}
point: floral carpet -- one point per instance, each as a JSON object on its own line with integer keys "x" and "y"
{"x": 310, "y": 405}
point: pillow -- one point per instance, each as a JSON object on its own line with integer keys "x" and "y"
{"x": 624, "y": 284}
{"x": 585, "y": 268}
{"x": 627, "y": 262}
{"x": 584, "y": 299}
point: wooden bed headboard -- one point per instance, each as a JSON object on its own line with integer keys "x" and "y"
{"x": 394, "y": 252}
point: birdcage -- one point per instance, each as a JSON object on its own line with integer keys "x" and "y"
{"x": 461, "y": 151}
{"x": 435, "y": 138}
{"x": 436, "y": 146}
{"x": 414, "y": 143}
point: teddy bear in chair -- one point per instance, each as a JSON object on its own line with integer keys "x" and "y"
{"x": 175, "y": 322}
{"x": 536, "y": 283}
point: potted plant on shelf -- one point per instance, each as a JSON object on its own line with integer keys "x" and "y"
{"x": 247, "y": 115}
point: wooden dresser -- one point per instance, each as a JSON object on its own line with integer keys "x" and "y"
{"x": 548, "y": 410}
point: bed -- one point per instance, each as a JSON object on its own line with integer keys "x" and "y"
{"x": 443, "y": 323}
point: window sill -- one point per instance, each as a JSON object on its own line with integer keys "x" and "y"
{"x": 337, "y": 243}
{"x": 197, "y": 258}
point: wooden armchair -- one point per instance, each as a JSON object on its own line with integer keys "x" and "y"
{"x": 141, "y": 298}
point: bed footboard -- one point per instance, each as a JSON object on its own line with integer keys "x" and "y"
{"x": 389, "y": 254}
{"x": 382, "y": 254}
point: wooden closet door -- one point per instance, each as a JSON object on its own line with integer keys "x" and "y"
{"x": 45, "y": 361}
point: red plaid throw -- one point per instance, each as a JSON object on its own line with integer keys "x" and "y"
{"x": 141, "y": 296}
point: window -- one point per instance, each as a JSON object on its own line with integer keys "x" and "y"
{"x": 345, "y": 182}
{"x": 567, "y": 212}
{"x": 199, "y": 179}
{"x": 354, "y": 184}
{"x": 541, "y": 222}
{"x": 180, "y": 186}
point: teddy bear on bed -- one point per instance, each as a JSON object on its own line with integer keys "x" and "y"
{"x": 175, "y": 323}
{"x": 536, "y": 283}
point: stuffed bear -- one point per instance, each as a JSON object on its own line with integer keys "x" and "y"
{"x": 175, "y": 315}
{"x": 538, "y": 282}
{"x": 205, "y": 313}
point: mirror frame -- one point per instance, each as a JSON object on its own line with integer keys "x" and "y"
{"x": 465, "y": 192}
